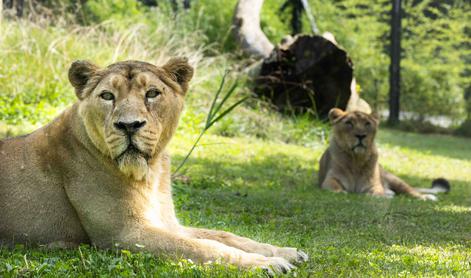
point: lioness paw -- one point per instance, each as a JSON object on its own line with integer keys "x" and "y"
{"x": 429, "y": 197}
{"x": 272, "y": 265}
{"x": 277, "y": 265}
{"x": 292, "y": 255}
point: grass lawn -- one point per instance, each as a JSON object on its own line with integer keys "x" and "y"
{"x": 268, "y": 191}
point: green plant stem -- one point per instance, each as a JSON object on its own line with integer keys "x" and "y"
{"x": 190, "y": 152}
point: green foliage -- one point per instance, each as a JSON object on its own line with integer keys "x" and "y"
{"x": 274, "y": 24}
{"x": 434, "y": 47}
{"x": 214, "y": 18}
{"x": 435, "y": 52}
{"x": 434, "y": 66}
{"x": 216, "y": 112}
{"x": 102, "y": 10}
{"x": 434, "y": 62}
{"x": 33, "y": 83}
{"x": 361, "y": 27}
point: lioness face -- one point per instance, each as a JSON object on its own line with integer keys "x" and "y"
{"x": 353, "y": 131}
{"x": 131, "y": 109}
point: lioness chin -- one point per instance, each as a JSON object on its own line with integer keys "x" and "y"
{"x": 99, "y": 173}
{"x": 350, "y": 164}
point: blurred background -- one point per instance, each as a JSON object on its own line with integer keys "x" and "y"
{"x": 39, "y": 39}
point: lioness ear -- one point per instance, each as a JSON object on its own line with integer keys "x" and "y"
{"x": 79, "y": 73}
{"x": 180, "y": 71}
{"x": 375, "y": 116}
{"x": 335, "y": 114}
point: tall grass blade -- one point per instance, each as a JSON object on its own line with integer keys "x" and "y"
{"x": 189, "y": 153}
{"x": 227, "y": 111}
{"x": 214, "y": 114}
{"x": 225, "y": 98}
{"x": 221, "y": 86}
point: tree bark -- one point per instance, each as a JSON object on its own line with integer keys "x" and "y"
{"x": 465, "y": 127}
{"x": 395, "y": 67}
{"x": 312, "y": 74}
{"x": 248, "y": 31}
{"x": 305, "y": 73}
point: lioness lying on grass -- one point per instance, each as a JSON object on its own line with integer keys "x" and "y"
{"x": 350, "y": 164}
{"x": 99, "y": 173}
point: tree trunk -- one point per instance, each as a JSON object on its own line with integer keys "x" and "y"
{"x": 395, "y": 67}
{"x": 465, "y": 127}
{"x": 20, "y": 7}
{"x": 248, "y": 31}
{"x": 306, "y": 73}
{"x": 310, "y": 74}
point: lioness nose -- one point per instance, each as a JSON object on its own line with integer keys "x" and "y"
{"x": 131, "y": 127}
{"x": 360, "y": 136}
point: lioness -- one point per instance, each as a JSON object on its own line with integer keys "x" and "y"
{"x": 350, "y": 164}
{"x": 99, "y": 173}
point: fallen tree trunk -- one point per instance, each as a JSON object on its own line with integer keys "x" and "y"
{"x": 305, "y": 73}
{"x": 311, "y": 73}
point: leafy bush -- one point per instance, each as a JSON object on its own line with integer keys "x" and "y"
{"x": 101, "y": 10}
{"x": 434, "y": 48}
{"x": 33, "y": 80}
{"x": 433, "y": 67}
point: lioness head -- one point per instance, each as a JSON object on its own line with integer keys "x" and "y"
{"x": 353, "y": 131}
{"x": 130, "y": 109}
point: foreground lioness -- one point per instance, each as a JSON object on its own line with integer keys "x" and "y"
{"x": 99, "y": 173}
{"x": 350, "y": 164}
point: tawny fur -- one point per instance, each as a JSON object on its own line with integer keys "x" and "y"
{"x": 350, "y": 164}
{"x": 77, "y": 180}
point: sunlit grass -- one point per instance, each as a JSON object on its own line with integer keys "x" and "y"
{"x": 268, "y": 191}
{"x": 35, "y": 59}
{"x": 259, "y": 181}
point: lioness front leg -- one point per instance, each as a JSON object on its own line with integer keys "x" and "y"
{"x": 161, "y": 241}
{"x": 332, "y": 184}
{"x": 248, "y": 245}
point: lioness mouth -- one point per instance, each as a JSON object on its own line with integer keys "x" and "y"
{"x": 359, "y": 145}
{"x": 132, "y": 150}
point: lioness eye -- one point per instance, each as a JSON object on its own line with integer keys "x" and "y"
{"x": 367, "y": 124}
{"x": 106, "y": 95}
{"x": 349, "y": 123}
{"x": 152, "y": 93}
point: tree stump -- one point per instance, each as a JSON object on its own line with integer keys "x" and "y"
{"x": 311, "y": 73}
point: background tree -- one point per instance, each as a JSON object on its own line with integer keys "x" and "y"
{"x": 395, "y": 66}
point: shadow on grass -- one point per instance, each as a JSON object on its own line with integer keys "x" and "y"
{"x": 272, "y": 171}
{"x": 279, "y": 196}
{"x": 442, "y": 145}
{"x": 275, "y": 199}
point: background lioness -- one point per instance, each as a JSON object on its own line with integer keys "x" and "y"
{"x": 350, "y": 164}
{"x": 99, "y": 172}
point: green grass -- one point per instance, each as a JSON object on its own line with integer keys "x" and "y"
{"x": 261, "y": 188}
{"x": 267, "y": 191}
